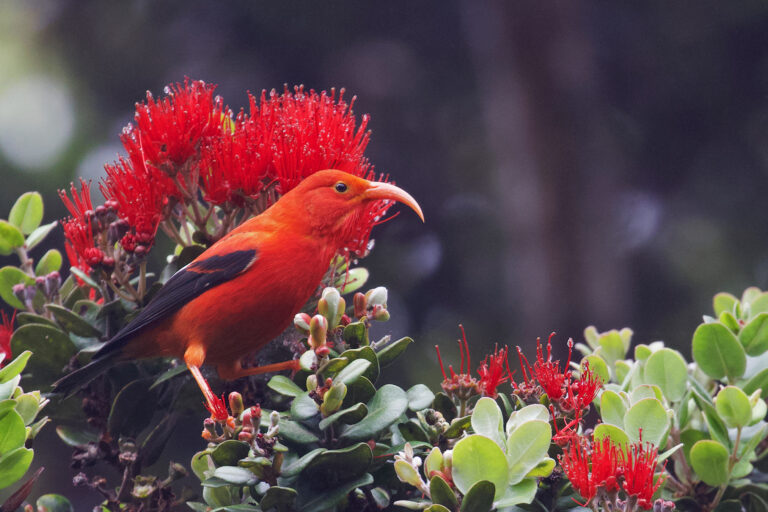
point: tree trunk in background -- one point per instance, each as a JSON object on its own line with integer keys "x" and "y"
{"x": 542, "y": 113}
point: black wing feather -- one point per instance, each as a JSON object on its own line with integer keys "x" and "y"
{"x": 183, "y": 286}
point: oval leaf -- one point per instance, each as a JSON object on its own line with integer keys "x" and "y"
{"x": 477, "y": 458}
{"x": 733, "y": 406}
{"x": 229, "y": 453}
{"x": 419, "y": 397}
{"x": 718, "y": 352}
{"x": 12, "y": 432}
{"x": 39, "y": 234}
{"x": 650, "y": 417}
{"x": 72, "y": 322}
{"x": 284, "y": 386}
{"x": 385, "y": 408}
{"x": 479, "y": 498}
{"x": 333, "y": 466}
{"x": 754, "y": 335}
{"x": 13, "y": 465}
{"x": 667, "y": 369}
{"x": 487, "y": 420}
{"x": 10, "y": 238}
{"x": 50, "y": 262}
{"x": 527, "y": 446}
{"x": 15, "y": 367}
{"x": 27, "y": 212}
{"x": 9, "y": 277}
{"x": 612, "y": 408}
{"x": 710, "y": 461}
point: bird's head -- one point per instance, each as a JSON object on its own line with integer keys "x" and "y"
{"x": 335, "y": 203}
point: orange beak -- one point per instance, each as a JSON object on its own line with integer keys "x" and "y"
{"x": 381, "y": 190}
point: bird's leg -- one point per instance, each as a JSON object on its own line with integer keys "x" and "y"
{"x": 194, "y": 357}
{"x": 235, "y": 370}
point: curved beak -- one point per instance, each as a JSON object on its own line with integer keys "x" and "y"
{"x": 381, "y": 190}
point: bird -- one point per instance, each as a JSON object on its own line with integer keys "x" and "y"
{"x": 246, "y": 288}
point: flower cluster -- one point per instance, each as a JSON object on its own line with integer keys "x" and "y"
{"x": 6, "y": 331}
{"x": 561, "y": 388}
{"x": 599, "y": 471}
{"x": 196, "y": 170}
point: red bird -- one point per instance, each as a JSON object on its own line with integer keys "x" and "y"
{"x": 245, "y": 289}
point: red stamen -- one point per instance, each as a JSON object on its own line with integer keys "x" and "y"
{"x": 440, "y": 360}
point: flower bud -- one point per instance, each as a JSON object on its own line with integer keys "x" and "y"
{"x": 245, "y": 436}
{"x": 274, "y": 419}
{"x": 301, "y": 322}
{"x": 360, "y": 303}
{"x": 52, "y": 284}
{"x": 407, "y": 473}
{"x": 331, "y": 306}
{"x": 318, "y": 329}
{"x": 380, "y": 313}
{"x": 236, "y": 403}
{"x": 333, "y": 398}
{"x": 176, "y": 471}
{"x": 209, "y": 426}
{"x": 19, "y": 291}
{"x": 311, "y": 382}
{"x": 377, "y": 296}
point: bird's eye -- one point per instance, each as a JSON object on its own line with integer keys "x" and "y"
{"x": 340, "y": 187}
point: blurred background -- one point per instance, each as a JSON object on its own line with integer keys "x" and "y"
{"x": 578, "y": 162}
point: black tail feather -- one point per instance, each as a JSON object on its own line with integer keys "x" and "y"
{"x": 72, "y": 383}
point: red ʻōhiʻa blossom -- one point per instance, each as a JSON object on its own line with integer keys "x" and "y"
{"x": 590, "y": 471}
{"x": 141, "y": 193}
{"x": 551, "y": 378}
{"x": 6, "y": 332}
{"x": 583, "y": 391}
{"x": 168, "y": 132}
{"x": 638, "y": 465}
{"x": 78, "y": 228}
{"x": 494, "y": 371}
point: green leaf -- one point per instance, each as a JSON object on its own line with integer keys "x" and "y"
{"x": 598, "y": 366}
{"x": 618, "y": 437}
{"x": 367, "y": 353}
{"x": 13, "y": 465}
{"x": 297, "y": 466}
{"x": 477, "y": 458}
{"x": 723, "y": 302}
{"x": 52, "y": 349}
{"x": 25, "y": 318}
{"x": 12, "y": 432}
{"x": 710, "y": 461}
{"x": 322, "y": 502}
{"x": 167, "y": 375}
{"x": 527, "y": 446}
{"x": 347, "y": 416}
{"x": 10, "y": 277}
{"x": 27, "y": 212}
{"x": 457, "y": 427}
{"x": 9, "y": 388}
{"x": 278, "y": 498}
{"x": 542, "y": 470}
{"x": 352, "y": 371}
{"x": 442, "y": 494}
{"x": 733, "y": 406}
{"x": 54, "y": 503}
{"x": 718, "y": 352}
{"x": 360, "y": 391}
{"x": 642, "y": 352}
{"x": 284, "y": 386}
{"x": 611, "y": 346}
{"x": 72, "y": 322}
{"x": 28, "y": 405}
{"x": 388, "y": 354}
{"x": 333, "y": 466}
{"x": 759, "y": 305}
{"x": 419, "y": 397}
{"x": 39, "y": 234}
{"x": 235, "y": 475}
{"x": 715, "y": 425}
{"x": 754, "y": 335}
{"x": 76, "y": 436}
{"x": 758, "y": 381}
{"x": 527, "y": 413}
{"x": 445, "y": 406}
{"x": 667, "y": 369}
{"x": 522, "y": 492}
{"x": 612, "y": 408}
{"x": 689, "y": 437}
{"x": 10, "y": 238}
{"x": 84, "y": 277}
{"x": 132, "y": 409}
{"x": 15, "y": 367}
{"x": 385, "y": 408}
{"x": 644, "y": 391}
{"x": 304, "y": 407}
{"x": 486, "y": 420}
{"x": 229, "y": 453}
{"x": 649, "y": 415}
{"x": 293, "y": 431}
{"x": 480, "y": 497}
{"x": 50, "y": 262}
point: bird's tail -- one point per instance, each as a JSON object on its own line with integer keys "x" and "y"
{"x": 72, "y": 383}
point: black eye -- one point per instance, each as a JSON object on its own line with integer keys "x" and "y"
{"x": 340, "y": 187}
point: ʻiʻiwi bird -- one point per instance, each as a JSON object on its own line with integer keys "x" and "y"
{"x": 245, "y": 289}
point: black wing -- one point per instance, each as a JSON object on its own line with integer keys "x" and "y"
{"x": 183, "y": 286}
